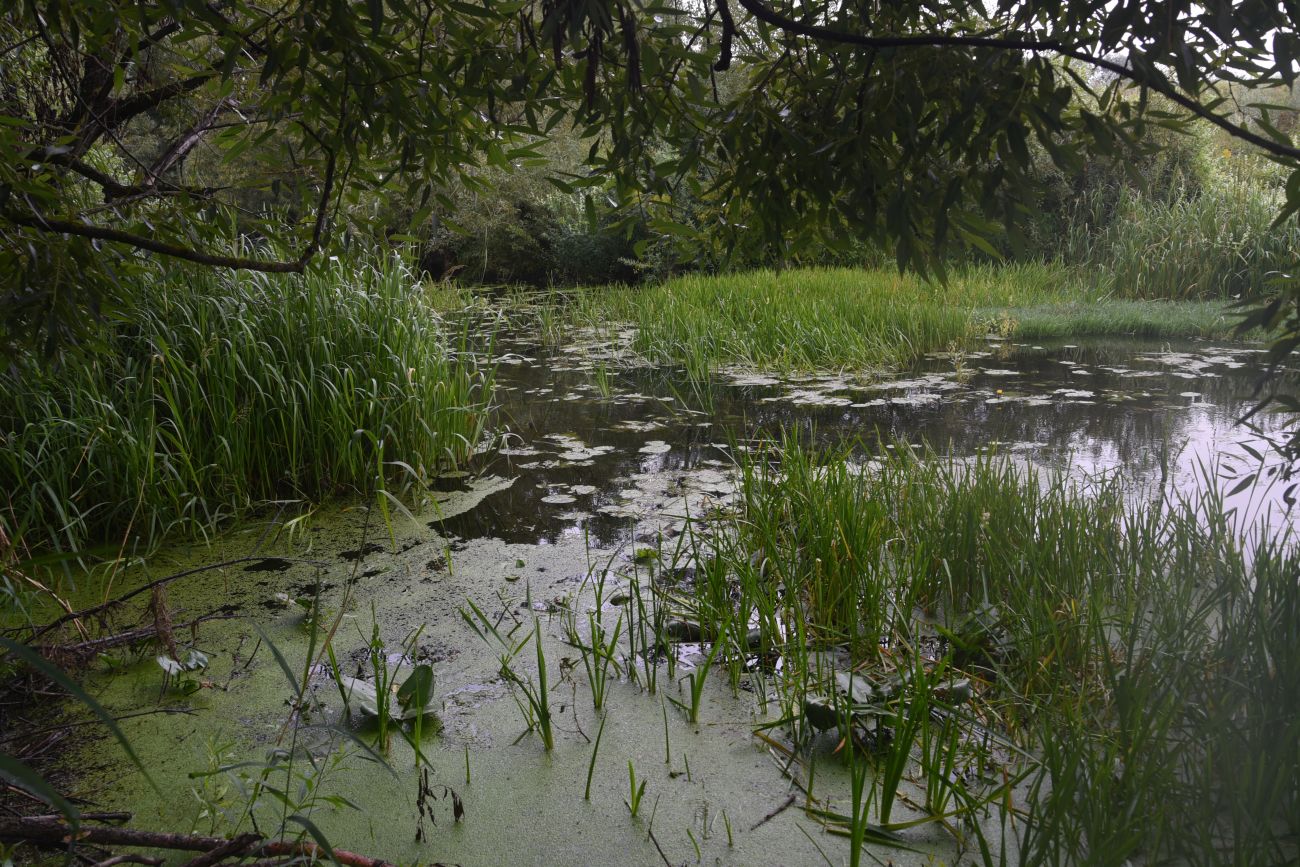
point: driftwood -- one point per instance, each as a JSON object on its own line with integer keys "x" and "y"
{"x": 52, "y": 832}
{"x": 158, "y": 582}
{"x": 85, "y": 649}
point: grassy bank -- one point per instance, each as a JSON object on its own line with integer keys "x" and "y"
{"x": 815, "y": 318}
{"x": 221, "y": 392}
{"x": 971, "y": 625}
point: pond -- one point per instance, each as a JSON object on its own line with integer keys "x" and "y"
{"x": 586, "y": 492}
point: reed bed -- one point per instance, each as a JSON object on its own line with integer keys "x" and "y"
{"x": 1112, "y": 681}
{"x": 1217, "y": 244}
{"x": 868, "y": 319}
{"x": 221, "y": 392}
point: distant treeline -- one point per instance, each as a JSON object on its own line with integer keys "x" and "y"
{"x": 1188, "y": 218}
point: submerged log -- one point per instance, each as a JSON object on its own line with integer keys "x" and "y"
{"x": 52, "y": 832}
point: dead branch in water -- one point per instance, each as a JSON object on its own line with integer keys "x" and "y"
{"x": 51, "y": 832}
{"x": 77, "y": 616}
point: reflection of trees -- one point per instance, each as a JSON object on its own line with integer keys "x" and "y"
{"x": 1139, "y": 434}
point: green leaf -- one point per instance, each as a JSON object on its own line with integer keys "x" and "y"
{"x": 416, "y": 692}
{"x": 316, "y": 835}
{"x": 283, "y": 663}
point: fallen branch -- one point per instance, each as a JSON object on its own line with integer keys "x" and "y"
{"x": 348, "y": 859}
{"x": 236, "y": 847}
{"x": 95, "y": 646}
{"x": 62, "y": 727}
{"x": 104, "y": 606}
{"x": 42, "y": 831}
{"x": 47, "y": 831}
{"x": 116, "y": 816}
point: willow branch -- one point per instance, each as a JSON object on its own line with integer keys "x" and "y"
{"x": 1054, "y": 46}
{"x": 80, "y": 229}
{"x": 175, "y": 251}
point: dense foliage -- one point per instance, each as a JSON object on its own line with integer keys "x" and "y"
{"x": 754, "y": 131}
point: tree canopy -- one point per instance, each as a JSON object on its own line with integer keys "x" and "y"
{"x": 173, "y": 127}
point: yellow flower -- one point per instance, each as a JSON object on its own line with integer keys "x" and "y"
{"x": 1227, "y": 153}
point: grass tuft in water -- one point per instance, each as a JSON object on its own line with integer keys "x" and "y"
{"x": 225, "y": 391}
{"x": 975, "y": 627}
{"x": 870, "y": 319}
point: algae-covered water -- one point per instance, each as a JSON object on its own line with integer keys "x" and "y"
{"x": 594, "y": 463}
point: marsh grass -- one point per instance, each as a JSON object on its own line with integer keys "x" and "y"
{"x": 1125, "y": 663}
{"x": 535, "y": 703}
{"x": 1217, "y": 243}
{"x": 1156, "y": 319}
{"x": 635, "y": 792}
{"x": 599, "y": 655}
{"x": 868, "y": 319}
{"x": 222, "y": 392}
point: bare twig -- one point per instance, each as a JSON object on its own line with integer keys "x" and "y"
{"x": 772, "y": 815}
{"x": 145, "y": 588}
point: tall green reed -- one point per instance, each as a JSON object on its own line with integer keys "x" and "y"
{"x": 224, "y": 391}
{"x": 1213, "y": 243}
{"x": 1126, "y": 658}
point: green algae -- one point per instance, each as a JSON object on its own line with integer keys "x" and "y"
{"x": 522, "y": 804}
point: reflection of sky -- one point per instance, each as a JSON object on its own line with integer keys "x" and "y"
{"x": 1151, "y": 417}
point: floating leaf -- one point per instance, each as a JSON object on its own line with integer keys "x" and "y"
{"x": 416, "y": 693}
{"x": 361, "y": 694}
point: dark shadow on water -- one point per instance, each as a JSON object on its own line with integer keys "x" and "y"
{"x": 1145, "y": 410}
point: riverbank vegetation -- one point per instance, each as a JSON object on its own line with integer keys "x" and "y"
{"x": 225, "y": 391}
{"x": 876, "y": 318}
{"x": 1110, "y": 683}
{"x": 202, "y": 316}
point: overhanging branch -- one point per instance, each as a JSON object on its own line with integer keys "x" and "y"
{"x": 1023, "y": 43}
{"x": 189, "y": 254}
{"x": 153, "y": 245}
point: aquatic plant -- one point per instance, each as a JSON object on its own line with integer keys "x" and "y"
{"x": 1122, "y": 659}
{"x": 696, "y": 678}
{"x": 646, "y": 624}
{"x": 867, "y": 318}
{"x": 595, "y": 751}
{"x": 535, "y": 706}
{"x": 225, "y": 391}
{"x": 635, "y": 792}
{"x": 599, "y": 655}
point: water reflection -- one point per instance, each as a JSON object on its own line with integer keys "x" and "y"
{"x": 594, "y": 450}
